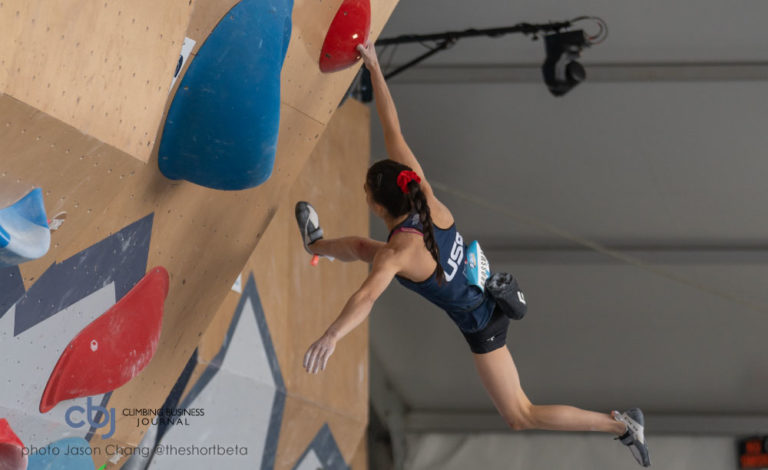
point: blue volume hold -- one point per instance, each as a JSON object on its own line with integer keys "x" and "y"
{"x": 24, "y": 232}
{"x": 222, "y": 127}
{"x": 72, "y": 453}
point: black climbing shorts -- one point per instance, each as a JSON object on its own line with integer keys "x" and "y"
{"x": 492, "y": 337}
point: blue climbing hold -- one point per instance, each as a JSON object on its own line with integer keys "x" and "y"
{"x": 73, "y": 453}
{"x": 222, "y": 127}
{"x": 24, "y": 232}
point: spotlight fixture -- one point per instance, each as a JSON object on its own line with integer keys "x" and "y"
{"x": 561, "y": 69}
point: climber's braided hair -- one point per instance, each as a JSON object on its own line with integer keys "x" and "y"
{"x": 382, "y": 181}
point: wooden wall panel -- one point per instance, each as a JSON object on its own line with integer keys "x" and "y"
{"x": 88, "y": 165}
{"x": 104, "y": 67}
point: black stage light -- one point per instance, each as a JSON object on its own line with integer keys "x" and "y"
{"x": 561, "y": 70}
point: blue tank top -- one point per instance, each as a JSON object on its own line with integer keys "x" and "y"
{"x": 469, "y": 308}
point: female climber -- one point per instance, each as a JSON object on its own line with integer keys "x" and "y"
{"x": 426, "y": 254}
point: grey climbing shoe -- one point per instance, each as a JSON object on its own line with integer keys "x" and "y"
{"x": 634, "y": 438}
{"x": 309, "y": 225}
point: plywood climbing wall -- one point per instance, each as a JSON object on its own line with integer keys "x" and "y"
{"x": 102, "y": 67}
{"x": 246, "y": 372}
{"x": 122, "y": 217}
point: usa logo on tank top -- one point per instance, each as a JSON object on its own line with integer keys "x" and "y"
{"x": 456, "y": 257}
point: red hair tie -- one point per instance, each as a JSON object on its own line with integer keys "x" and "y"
{"x": 405, "y": 177}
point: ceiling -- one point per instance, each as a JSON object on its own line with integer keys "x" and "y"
{"x": 652, "y": 31}
{"x": 632, "y": 212}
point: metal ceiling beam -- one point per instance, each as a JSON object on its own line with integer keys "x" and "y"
{"x": 637, "y": 72}
{"x": 653, "y": 255}
{"x": 727, "y": 425}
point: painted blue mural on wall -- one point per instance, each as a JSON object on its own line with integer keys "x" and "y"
{"x": 36, "y": 325}
{"x": 11, "y": 288}
{"x": 120, "y": 261}
{"x": 242, "y": 394}
{"x": 322, "y": 452}
{"x": 120, "y": 258}
{"x": 228, "y": 384}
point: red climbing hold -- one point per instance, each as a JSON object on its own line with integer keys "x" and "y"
{"x": 349, "y": 28}
{"x": 114, "y": 348}
{"x": 11, "y": 449}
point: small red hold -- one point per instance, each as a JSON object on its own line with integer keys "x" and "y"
{"x": 114, "y": 348}
{"x": 11, "y": 449}
{"x": 349, "y": 28}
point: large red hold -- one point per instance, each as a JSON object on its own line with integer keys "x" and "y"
{"x": 349, "y": 28}
{"x": 12, "y": 456}
{"x": 114, "y": 348}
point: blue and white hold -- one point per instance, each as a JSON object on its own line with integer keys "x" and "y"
{"x": 24, "y": 232}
